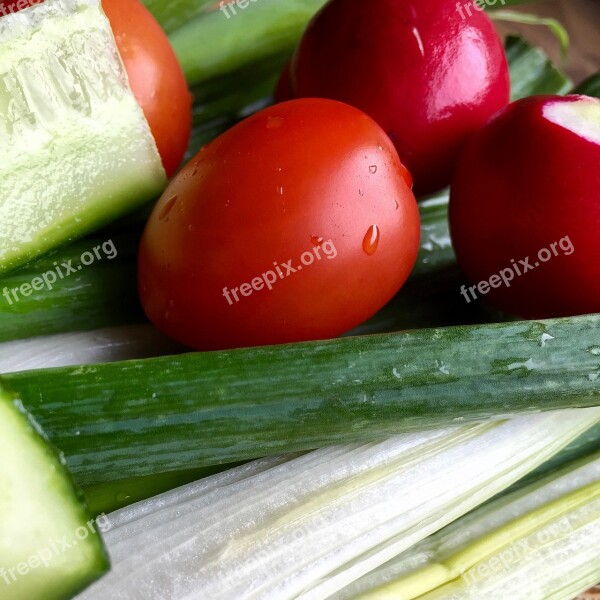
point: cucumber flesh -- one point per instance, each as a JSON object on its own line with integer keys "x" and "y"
{"x": 77, "y": 149}
{"x": 49, "y": 547}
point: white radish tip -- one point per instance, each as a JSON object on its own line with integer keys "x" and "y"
{"x": 581, "y": 116}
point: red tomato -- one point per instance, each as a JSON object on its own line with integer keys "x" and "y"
{"x": 298, "y": 223}
{"x": 427, "y": 74}
{"x": 525, "y": 208}
{"x": 155, "y": 76}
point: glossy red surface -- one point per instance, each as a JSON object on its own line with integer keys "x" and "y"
{"x": 155, "y": 77}
{"x": 428, "y": 76}
{"x": 522, "y": 184}
{"x": 300, "y": 177}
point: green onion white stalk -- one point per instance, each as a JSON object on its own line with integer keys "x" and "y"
{"x": 307, "y": 526}
{"x": 539, "y": 542}
{"x": 86, "y": 347}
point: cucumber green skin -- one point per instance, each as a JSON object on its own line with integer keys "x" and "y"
{"x": 62, "y": 500}
{"x": 136, "y": 418}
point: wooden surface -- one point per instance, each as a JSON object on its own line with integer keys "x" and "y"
{"x": 582, "y": 20}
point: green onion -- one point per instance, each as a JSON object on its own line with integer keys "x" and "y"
{"x": 98, "y": 295}
{"x": 310, "y": 525}
{"x": 120, "y": 420}
{"x": 173, "y": 14}
{"x": 112, "y": 495}
{"x": 79, "y": 348}
{"x": 215, "y": 45}
{"x": 555, "y": 26}
{"x": 540, "y": 541}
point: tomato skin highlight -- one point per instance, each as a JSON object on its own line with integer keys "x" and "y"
{"x": 293, "y": 177}
{"x": 522, "y": 184}
{"x": 428, "y": 76}
{"x": 155, "y": 76}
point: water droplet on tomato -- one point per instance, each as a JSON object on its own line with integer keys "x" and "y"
{"x": 397, "y": 205}
{"x": 373, "y": 169}
{"x": 371, "y": 240}
{"x": 167, "y": 208}
{"x": 381, "y": 147}
{"x": 316, "y": 240}
{"x": 280, "y": 190}
{"x": 360, "y": 192}
{"x": 274, "y": 122}
{"x": 190, "y": 228}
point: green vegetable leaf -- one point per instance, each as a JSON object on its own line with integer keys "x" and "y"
{"x": 555, "y": 26}
{"x": 532, "y": 72}
{"x": 590, "y": 87}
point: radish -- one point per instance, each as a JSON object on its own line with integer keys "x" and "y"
{"x": 427, "y": 73}
{"x": 525, "y": 208}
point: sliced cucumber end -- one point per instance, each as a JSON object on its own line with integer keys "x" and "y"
{"x": 50, "y": 548}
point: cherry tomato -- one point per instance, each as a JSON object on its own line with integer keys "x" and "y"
{"x": 155, "y": 76}
{"x": 427, "y": 73}
{"x": 298, "y": 223}
{"x": 525, "y": 208}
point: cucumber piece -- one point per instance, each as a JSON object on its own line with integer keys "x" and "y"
{"x": 49, "y": 547}
{"x": 78, "y": 152}
{"x": 136, "y": 418}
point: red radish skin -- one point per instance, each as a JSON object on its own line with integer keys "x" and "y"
{"x": 429, "y": 77}
{"x": 284, "y": 90}
{"x": 530, "y": 178}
